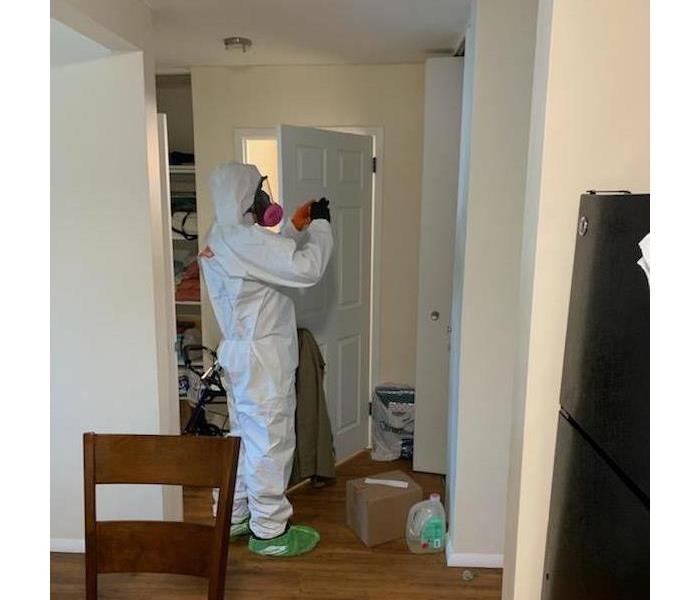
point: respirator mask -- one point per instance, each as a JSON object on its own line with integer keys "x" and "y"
{"x": 265, "y": 210}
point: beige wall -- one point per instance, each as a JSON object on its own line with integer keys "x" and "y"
{"x": 590, "y": 130}
{"x": 174, "y": 97}
{"x": 389, "y": 96}
{"x": 495, "y": 126}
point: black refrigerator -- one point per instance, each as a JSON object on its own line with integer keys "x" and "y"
{"x": 598, "y": 533}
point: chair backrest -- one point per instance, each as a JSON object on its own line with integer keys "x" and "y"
{"x": 155, "y": 546}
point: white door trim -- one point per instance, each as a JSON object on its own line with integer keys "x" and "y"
{"x": 169, "y": 406}
{"x": 377, "y": 133}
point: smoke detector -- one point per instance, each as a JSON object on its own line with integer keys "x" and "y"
{"x": 237, "y": 43}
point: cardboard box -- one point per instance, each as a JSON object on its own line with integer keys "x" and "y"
{"x": 377, "y": 513}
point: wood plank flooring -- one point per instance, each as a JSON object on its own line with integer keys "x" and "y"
{"x": 340, "y": 568}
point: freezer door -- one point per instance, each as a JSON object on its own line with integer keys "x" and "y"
{"x": 598, "y": 536}
{"x": 605, "y": 382}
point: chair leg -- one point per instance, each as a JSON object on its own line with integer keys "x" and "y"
{"x": 90, "y": 525}
{"x": 90, "y": 579}
{"x": 90, "y": 569}
{"x": 216, "y": 586}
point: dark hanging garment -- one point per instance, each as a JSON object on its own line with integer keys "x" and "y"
{"x": 314, "y": 456}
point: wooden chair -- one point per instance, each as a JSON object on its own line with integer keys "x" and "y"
{"x": 159, "y": 546}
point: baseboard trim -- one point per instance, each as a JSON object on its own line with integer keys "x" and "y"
{"x": 340, "y": 463}
{"x": 465, "y": 559}
{"x": 67, "y": 545}
{"x": 298, "y": 486}
{"x": 305, "y": 482}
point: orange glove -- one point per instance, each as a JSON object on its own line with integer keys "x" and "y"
{"x": 302, "y": 216}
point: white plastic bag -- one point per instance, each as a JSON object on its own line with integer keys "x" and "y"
{"x": 393, "y": 421}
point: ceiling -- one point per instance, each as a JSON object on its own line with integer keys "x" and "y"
{"x": 285, "y": 32}
{"x": 68, "y": 46}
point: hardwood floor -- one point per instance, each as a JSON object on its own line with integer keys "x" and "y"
{"x": 341, "y": 568}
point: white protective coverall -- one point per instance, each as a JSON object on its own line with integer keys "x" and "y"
{"x": 245, "y": 279}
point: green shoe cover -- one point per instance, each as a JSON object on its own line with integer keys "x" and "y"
{"x": 239, "y": 529}
{"x": 297, "y": 540}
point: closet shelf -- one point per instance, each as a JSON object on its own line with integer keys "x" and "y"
{"x": 178, "y": 237}
{"x": 182, "y": 169}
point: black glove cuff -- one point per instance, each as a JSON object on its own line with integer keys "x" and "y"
{"x": 319, "y": 210}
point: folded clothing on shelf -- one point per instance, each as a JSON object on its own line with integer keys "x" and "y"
{"x": 181, "y": 158}
{"x": 187, "y": 288}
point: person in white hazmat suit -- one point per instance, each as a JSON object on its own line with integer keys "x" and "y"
{"x": 246, "y": 269}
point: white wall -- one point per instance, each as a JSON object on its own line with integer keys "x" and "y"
{"x": 388, "y": 96}
{"x": 103, "y": 330}
{"x": 120, "y": 26}
{"x": 69, "y": 46}
{"x": 495, "y": 126}
{"x": 126, "y": 26}
{"x": 590, "y": 129}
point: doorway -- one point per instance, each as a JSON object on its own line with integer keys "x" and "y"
{"x": 259, "y": 146}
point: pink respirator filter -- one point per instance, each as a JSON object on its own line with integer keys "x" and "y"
{"x": 272, "y": 215}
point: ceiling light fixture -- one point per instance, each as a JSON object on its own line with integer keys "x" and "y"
{"x": 237, "y": 42}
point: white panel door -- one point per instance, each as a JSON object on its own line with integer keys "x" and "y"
{"x": 315, "y": 163}
{"x": 441, "y": 138}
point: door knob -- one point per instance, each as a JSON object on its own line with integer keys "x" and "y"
{"x": 434, "y": 316}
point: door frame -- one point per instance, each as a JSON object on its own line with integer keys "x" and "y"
{"x": 241, "y": 134}
{"x": 173, "y": 496}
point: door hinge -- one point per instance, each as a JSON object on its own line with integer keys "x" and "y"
{"x": 369, "y": 405}
{"x": 374, "y": 164}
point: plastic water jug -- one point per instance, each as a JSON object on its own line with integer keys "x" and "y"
{"x": 425, "y": 526}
